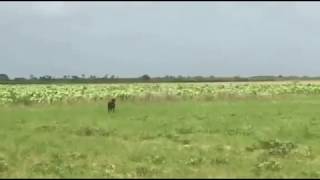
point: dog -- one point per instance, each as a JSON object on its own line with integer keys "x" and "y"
{"x": 112, "y": 105}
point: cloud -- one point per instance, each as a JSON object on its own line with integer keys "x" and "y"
{"x": 48, "y": 7}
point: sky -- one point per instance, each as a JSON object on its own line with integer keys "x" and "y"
{"x": 129, "y": 39}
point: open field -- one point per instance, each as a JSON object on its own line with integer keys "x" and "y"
{"x": 159, "y": 90}
{"x": 229, "y": 137}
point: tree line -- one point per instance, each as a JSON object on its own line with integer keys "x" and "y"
{"x": 5, "y": 79}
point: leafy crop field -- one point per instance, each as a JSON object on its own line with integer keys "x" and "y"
{"x": 160, "y": 131}
{"x": 48, "y": 94}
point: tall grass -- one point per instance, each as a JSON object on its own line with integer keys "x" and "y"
{"x": 223, "y": 138}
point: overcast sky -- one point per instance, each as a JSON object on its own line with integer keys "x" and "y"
{"x": 159, "y": 38}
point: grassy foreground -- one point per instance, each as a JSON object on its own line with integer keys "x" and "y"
{"x": 170, "y": 139}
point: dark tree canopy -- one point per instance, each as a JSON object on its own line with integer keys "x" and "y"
{"x": 4, "y": 77}
{"x": 145, "y": 77}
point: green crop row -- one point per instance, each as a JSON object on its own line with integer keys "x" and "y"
{"x": 63, "y": 93}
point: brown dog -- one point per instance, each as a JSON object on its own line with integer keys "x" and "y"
{"x": 112, "y": 105}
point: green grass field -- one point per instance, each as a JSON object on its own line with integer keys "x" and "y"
{"x": 227, "y": 138}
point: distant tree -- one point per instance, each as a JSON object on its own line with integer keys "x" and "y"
{"x": 32, "y": 77}
{"x": 20, "y": 79}
{"x": 180, "y": 77}
{"x": 145, "y": 77}
{"x": 83, "y": 76}
{"x": 46, "y": 77}
{"x": 198, "y": 78}
{"x": 112, "y": 77}
{"x": 93, "y": 77}
{"x": 236, "y": 78}
{"x": 106, "y": 76}
{"x": 4, "y": 77}
{"x": 75, "y": 77}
